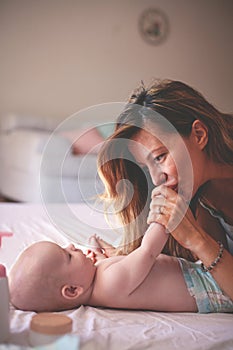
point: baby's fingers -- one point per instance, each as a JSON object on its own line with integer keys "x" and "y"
{"x": 109, "y": 249}
{"x": 94, "y": 244}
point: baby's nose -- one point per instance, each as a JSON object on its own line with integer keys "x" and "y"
{"x": 71, "y": 247}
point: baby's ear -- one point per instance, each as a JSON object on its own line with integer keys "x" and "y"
{"x": 71, "y": 292}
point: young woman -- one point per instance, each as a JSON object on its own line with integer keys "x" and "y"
{"x": 170, "y": 161}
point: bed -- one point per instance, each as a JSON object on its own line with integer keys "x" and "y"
{"x": 99, "y": 328}
{"x": 37, "y": 154}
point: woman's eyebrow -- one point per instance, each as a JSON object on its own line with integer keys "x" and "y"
{"x": 151, "y": 154}
{"x": 156, "y": 150}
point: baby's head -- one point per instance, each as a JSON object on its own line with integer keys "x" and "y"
{"x": 47, "y": 277}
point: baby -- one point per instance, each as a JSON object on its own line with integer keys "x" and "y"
{"x": 47, "y": 277}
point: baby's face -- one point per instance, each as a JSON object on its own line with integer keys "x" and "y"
{"x": 71, "y": 264}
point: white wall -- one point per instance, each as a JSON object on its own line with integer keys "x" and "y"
{"x": 58, "y": 56}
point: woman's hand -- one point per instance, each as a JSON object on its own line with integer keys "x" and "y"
{"x": 170, "y": 209}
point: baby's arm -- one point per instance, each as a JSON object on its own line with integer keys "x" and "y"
{"x": 127, "y": 274}
{"x": 154, "y": 239}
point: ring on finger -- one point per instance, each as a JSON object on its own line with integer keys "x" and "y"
{"x": 159, "y": 210}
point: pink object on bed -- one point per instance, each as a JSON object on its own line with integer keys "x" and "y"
{"x": 2, "y": 271}
{"x": 5, "y": 234}
{"x": 84, "y": 141}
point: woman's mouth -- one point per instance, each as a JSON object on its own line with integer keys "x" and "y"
{"x": 174, "y": 188}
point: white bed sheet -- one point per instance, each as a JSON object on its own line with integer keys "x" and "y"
{"x": 100, "y": 328}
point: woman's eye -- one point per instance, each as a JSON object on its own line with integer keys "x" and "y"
{"x": 159, "y": 158}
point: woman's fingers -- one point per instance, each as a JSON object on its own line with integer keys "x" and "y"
{"x": 173, "y": 212}
{"x": 166, "y": 208}
{"x": 159, "y": 215}
{"x": 165, "y": 192}
{"x": 159, "y": 190}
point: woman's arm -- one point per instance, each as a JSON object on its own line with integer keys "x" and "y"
{"x": 186, "y": 230}
{"x": 207, "y": 249}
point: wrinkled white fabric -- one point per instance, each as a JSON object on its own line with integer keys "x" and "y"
{"x": 99, "y": 328}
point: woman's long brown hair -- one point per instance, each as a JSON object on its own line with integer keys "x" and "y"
{"x": 180, "y": 105}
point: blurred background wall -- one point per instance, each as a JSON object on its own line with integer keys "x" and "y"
{"x": 59, "y": 56}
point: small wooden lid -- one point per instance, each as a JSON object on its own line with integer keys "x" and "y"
{"x": 50, "y": 323}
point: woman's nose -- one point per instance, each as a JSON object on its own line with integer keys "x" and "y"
{"x": 157, "y": 176}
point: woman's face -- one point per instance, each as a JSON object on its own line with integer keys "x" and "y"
{"x": 171, "y": 162}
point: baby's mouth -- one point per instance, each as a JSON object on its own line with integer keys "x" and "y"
{"x": 90, "y": 255}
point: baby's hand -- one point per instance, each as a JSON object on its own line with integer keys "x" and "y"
{"x": 95, "y": 256}
{"x": 98, "y": 244}
{"x": 95, "y": 252}
{"x": 94, "y": 244}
